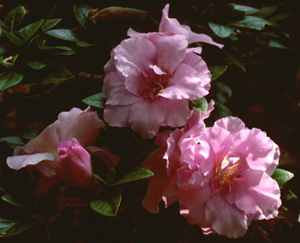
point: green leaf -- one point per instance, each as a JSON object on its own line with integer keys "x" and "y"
{"x": 138, "y": 173}
{"x": 111, "y": 175}
{"x": 81, "y": 12}
{"x": 217, "y": 71}
{"x": 50, "y": 23}
{"x": 11, "y": 200}
{"x": 252, "y": 22}
{"x": 14, "y": 17}
{"x": 10, "y": 227}
{"x": 11, "y": 140}
{"x": 199, "y": 105}
{"x": 57, "y": 75}
{"x": 220, "y": 30}
{"x": 234, "y": 58}
{"x": 221, "y": 92}
{"x": 63, "y": 34}
{"x": 108, "y": 205}
{"x": 96, "y": 100}
{"x": 16, "y": 37}
{"x": 266, "y": 11}
{"x": 246, "y": 9}
{"x": 282, "y": 176}
{"x": 34, "y": 28}
{"x": 45, "y": 25}
{"x": 9, "y": 79}
{"x": 65, "y": 48}
{"x": 220, "y": 111}
{"x": 100, "y": 179}
{"x": 36, "y": 64}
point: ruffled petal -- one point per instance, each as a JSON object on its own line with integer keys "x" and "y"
{"x": 116, "y": 116}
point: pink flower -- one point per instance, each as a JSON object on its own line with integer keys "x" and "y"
{"x": 150, "y": 78}
{"x": 74, "y": 163}
{"x": 71, "y": 133}
{"x": 175, "y": 155}
{"x": 232, "y": 185}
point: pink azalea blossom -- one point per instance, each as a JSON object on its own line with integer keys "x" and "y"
{"x": 150, "y": 78}
{"x": 174, "y": 155}
{"x": 74, "y": 163}
{"x": 68, "y": 137}
{"x": 232, "y": 185}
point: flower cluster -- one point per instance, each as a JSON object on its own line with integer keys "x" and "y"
{"x": 220, "y": 175}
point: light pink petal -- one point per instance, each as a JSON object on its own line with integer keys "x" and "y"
{"x": 107, "y": 156}
{"x": 82, "y": 125}
{"x": 171, "y": 50}
{"x": 185, "y": 84}
{"x": 231, "y": 124}
{"x": 21, "y": 161}
{"x": 173, "y": 153}
{"x": 137, "y": 50}
{"x": 146, "y": 116}
{"x": 46, "y": 167}
{"x": 225, "y": 219}
{"x": 116, "y": 116}
{"x": 172, "y": 25}
{"x": 196, "y": 215}
{"x": 257, "y": 194}
{"x": 115, "y": 91}
{"x": 178, "y": 112}
{"x": 260, "y": 152}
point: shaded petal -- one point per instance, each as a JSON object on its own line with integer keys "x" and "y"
{"x": 146, "y": 116}
{"x": 115, "y": 91}
{"x": 116, "y": 116}
{"x": 172, "y": 25}
{"x": 21, "y": 161}
{"x": 82, "y": 125}
{"x": 46, "y": 141}
{"x": 105, "y": 154}
{"x": 157, "y": 165}
{"x": 225, "y": 219}
{"x": 177, "y": 114}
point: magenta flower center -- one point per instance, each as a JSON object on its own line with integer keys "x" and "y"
{"x": 157, "y": 82}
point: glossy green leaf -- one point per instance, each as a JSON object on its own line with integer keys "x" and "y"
{"x": 10, "y": 227}
{"x": 14, "y": 17}
{"x": 221, "y": 30}
{"x": 8, "y": 80}
{"x": 252, "y": 22}
{"x": 246, "y": 9}
{"x": 199, "y": 105}
{"x": 34, "y": 28}
{"x": 221, "y": 92}
{"x": 108, "y": 205}
{"x": 63, "y": 34}
{"x": 65, "y": 48}
{"x": 137, "y": 173}
{"x": 11, "y": 140}
{"x": 96, "y": 100}
{"x": 217, "y": 71}
{"x": 11, "y": 200}
{"x": 81, "y": 13}
{"x": 36, "y": 64}
{"x": 282, "y": 176}
{"x": 56, "y": 75}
